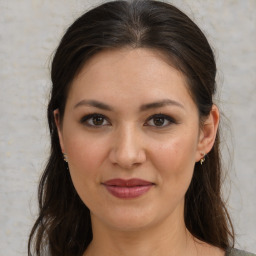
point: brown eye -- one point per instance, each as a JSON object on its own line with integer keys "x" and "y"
{"x": 160, "y": 120}
{"x": 95, "y": 120}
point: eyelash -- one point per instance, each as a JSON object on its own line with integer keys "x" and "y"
{"x": 85, "y": 120}
{"x": 162, "y": 116}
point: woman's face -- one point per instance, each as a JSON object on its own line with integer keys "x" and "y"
{"x": 131, "y": 134}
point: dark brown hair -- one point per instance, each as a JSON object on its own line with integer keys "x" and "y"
{"x": 63, "y": 226}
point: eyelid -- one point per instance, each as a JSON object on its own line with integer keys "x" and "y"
{"x": 87, "y": 117}
{"x": 167, "y": 117}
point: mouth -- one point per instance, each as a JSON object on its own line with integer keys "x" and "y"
{"x": 127, "y": 189}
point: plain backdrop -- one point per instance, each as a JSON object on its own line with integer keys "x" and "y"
{"x": 29, "y": 33}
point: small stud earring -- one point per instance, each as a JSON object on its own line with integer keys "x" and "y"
{"x": 65, "y": 157}
{"x": 202, "y": 159}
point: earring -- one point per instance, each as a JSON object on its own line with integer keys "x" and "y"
{"x": 202, "y": 159}
{"x": 65, "y": 157}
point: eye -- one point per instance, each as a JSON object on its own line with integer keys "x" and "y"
{"x": 95, "y": 120}
{"x": 159, "y": 120}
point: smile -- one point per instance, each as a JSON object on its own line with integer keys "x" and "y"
{"x": 127, "y": 189}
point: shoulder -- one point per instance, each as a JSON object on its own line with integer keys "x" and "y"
{"x": 236, "y": 252}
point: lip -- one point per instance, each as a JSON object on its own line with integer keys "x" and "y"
{"x": 127, "y": 189}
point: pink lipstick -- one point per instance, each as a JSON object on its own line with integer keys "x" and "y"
{"x": 127, "y": 189}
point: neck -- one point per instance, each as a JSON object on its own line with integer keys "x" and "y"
{"x": 172, "y": 237}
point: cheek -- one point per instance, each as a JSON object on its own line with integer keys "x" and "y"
{"x": 174, "y": 160}
{"x": 85, "y": 151}
{"x": 85, "y": 156}
{"x": 175, "y": 152}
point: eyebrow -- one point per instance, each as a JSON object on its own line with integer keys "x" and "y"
{"x": 144, "y": 107}
{"x": 160, "y": 104}
{"x": 94, "y": 103}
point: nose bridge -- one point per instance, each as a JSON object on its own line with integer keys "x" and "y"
{"x": 127, "y": 148}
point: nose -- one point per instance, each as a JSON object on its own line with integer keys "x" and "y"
{"x": 127, "y": 149}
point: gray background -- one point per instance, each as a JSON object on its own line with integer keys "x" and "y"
{"x": 30, "y": 31}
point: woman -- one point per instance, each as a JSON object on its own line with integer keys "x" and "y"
{"x": 135, "y": 165}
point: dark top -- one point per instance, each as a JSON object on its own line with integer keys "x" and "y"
{"x": 236, "y": 252}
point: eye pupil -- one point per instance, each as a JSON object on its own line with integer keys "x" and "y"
{"x": 158, "y": 121}
{"x": 98, "y": 120}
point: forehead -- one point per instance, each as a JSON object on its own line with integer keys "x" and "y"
{"x": 130, "y": 74}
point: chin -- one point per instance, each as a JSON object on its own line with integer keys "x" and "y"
{"x": 124, "y": 219}
{"x": 131, "y": 219}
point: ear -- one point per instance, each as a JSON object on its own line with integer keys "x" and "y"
{"x": 56, "y": 114}
{"x": 208, "y": 133}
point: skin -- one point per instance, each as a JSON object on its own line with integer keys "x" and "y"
{"x": 127, "y": 142}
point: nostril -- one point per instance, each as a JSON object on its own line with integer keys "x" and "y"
{"x": 127, "y": 163}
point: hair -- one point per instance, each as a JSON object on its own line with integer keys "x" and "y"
{"x": 63, "y": 226}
